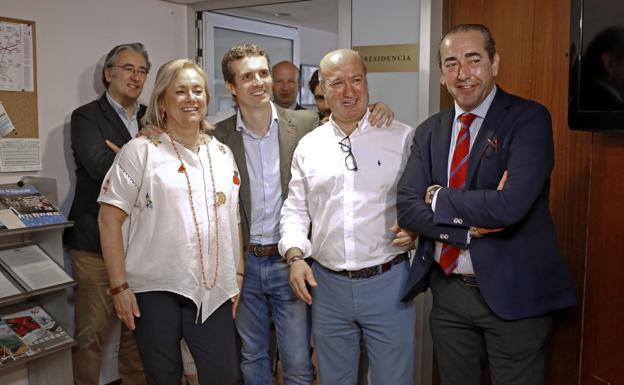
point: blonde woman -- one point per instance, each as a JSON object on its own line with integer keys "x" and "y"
{"x": 170, "y": 234}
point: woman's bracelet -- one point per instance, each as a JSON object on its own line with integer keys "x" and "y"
{"x": 241, "y": 274}
{"x": 113, "y": 291}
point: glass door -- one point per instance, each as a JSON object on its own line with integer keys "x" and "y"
{"x": 220, "y": 32}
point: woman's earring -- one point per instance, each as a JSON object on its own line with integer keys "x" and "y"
{"x": 163, "y": 114}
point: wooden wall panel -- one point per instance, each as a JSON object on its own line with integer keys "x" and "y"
{"x": 515, "y": 41}
{"x": 569, "y": 185}
{"x": 603, "y": 326}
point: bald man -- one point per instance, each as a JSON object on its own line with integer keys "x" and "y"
{"x": 286, "y": 85}
{"x": 346, "y": 195}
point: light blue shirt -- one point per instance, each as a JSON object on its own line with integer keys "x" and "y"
{"x": 263, "y": 166}
{"x": 131, "y": 122}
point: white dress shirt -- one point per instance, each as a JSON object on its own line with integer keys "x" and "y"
{"x": 351, "y": 212}
{"x": 160, "y": 237}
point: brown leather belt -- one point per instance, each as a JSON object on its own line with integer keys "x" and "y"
{"x": 263, "y": 250}
{"x": 372, "y": 271}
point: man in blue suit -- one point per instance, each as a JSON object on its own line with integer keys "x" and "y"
{"x": 475, "y": 189}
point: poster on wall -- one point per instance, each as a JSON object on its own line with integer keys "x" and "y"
{"x": 16, "y": 64}
{"x": 18, "y": 155}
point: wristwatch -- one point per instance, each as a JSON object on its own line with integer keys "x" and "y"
{"x": 431, "y": 190}
{"x": 474, "y": 232}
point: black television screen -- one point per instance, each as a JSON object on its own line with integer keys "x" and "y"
{"x": 596, "y": 87}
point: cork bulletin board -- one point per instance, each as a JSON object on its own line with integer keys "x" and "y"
{"x": 18, "y": 54}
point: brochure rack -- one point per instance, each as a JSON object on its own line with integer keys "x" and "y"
{"x": 47, "y": 366}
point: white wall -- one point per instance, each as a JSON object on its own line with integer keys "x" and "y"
{"x": 72, "y": 38}
{"x": 315, "y": 44}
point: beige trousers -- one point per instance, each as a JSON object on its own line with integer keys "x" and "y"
{"x": 94, "y": 311}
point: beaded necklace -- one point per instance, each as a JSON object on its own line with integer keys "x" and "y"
{"x": 182, "y": 169}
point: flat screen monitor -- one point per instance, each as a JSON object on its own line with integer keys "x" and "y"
{"x": 596, "y": 99}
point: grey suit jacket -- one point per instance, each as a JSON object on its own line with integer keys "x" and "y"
{"x": 293, "y": 125}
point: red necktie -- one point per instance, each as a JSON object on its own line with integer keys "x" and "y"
{"x": 457, "y": 179}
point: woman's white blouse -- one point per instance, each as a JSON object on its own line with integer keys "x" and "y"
{"x": 159, "y": 235}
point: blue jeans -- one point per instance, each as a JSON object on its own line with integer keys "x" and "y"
{"x": 266, "y": 293}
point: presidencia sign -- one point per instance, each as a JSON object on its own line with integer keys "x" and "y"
{"x": 389, "y": 58}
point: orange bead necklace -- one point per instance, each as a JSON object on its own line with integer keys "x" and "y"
{"x": 182, "y": 169}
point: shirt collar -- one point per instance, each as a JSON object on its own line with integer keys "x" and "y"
{"x": 119, "y": 108}
{"x": 240, "y": 124}
{"x": 362, "y": 126}
{"x": 482, "y": 109}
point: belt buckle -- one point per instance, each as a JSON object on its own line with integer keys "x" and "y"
{"x": 255, "y": 250}
{"x": 259, "y": 250}
{"x": 470, "y": 280}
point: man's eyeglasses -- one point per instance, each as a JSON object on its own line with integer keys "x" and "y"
{"x": 130, "y": 70}
{"x": 345, "y": 146}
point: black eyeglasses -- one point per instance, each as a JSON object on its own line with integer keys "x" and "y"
{"x": 345, "y": 146}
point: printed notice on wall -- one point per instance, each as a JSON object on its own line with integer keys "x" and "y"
{"x": 20, "y": 155}
{"x": 6, "y": 127}
{"x": 16, "y": 57}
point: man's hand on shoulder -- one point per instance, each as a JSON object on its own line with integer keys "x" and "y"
{"x": 150, "y": 130}
{"x": 380, "y": 114}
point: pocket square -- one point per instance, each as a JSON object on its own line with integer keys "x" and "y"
{"x": 492, "y": 143}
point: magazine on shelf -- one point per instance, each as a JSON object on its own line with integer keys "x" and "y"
{"x": 25, "y": 207}
{"x": 36, "y": 329}
{"x": 7, "y": 288}
{"x": 33, "y": 268}
{"x": 12, "y": 347}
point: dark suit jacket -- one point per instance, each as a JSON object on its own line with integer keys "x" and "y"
{"x": 91, "y": 125}
{"x": 520, "y": 270}
{"x": 293, "y": 125}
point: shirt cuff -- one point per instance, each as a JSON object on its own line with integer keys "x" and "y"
{"x": 287, "y": 243}
{"x": 435, "y": 198}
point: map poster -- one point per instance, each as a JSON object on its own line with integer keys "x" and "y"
{"x": 16, "y": 57}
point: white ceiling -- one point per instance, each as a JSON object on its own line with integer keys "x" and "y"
{"x": 317, "y": 14}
